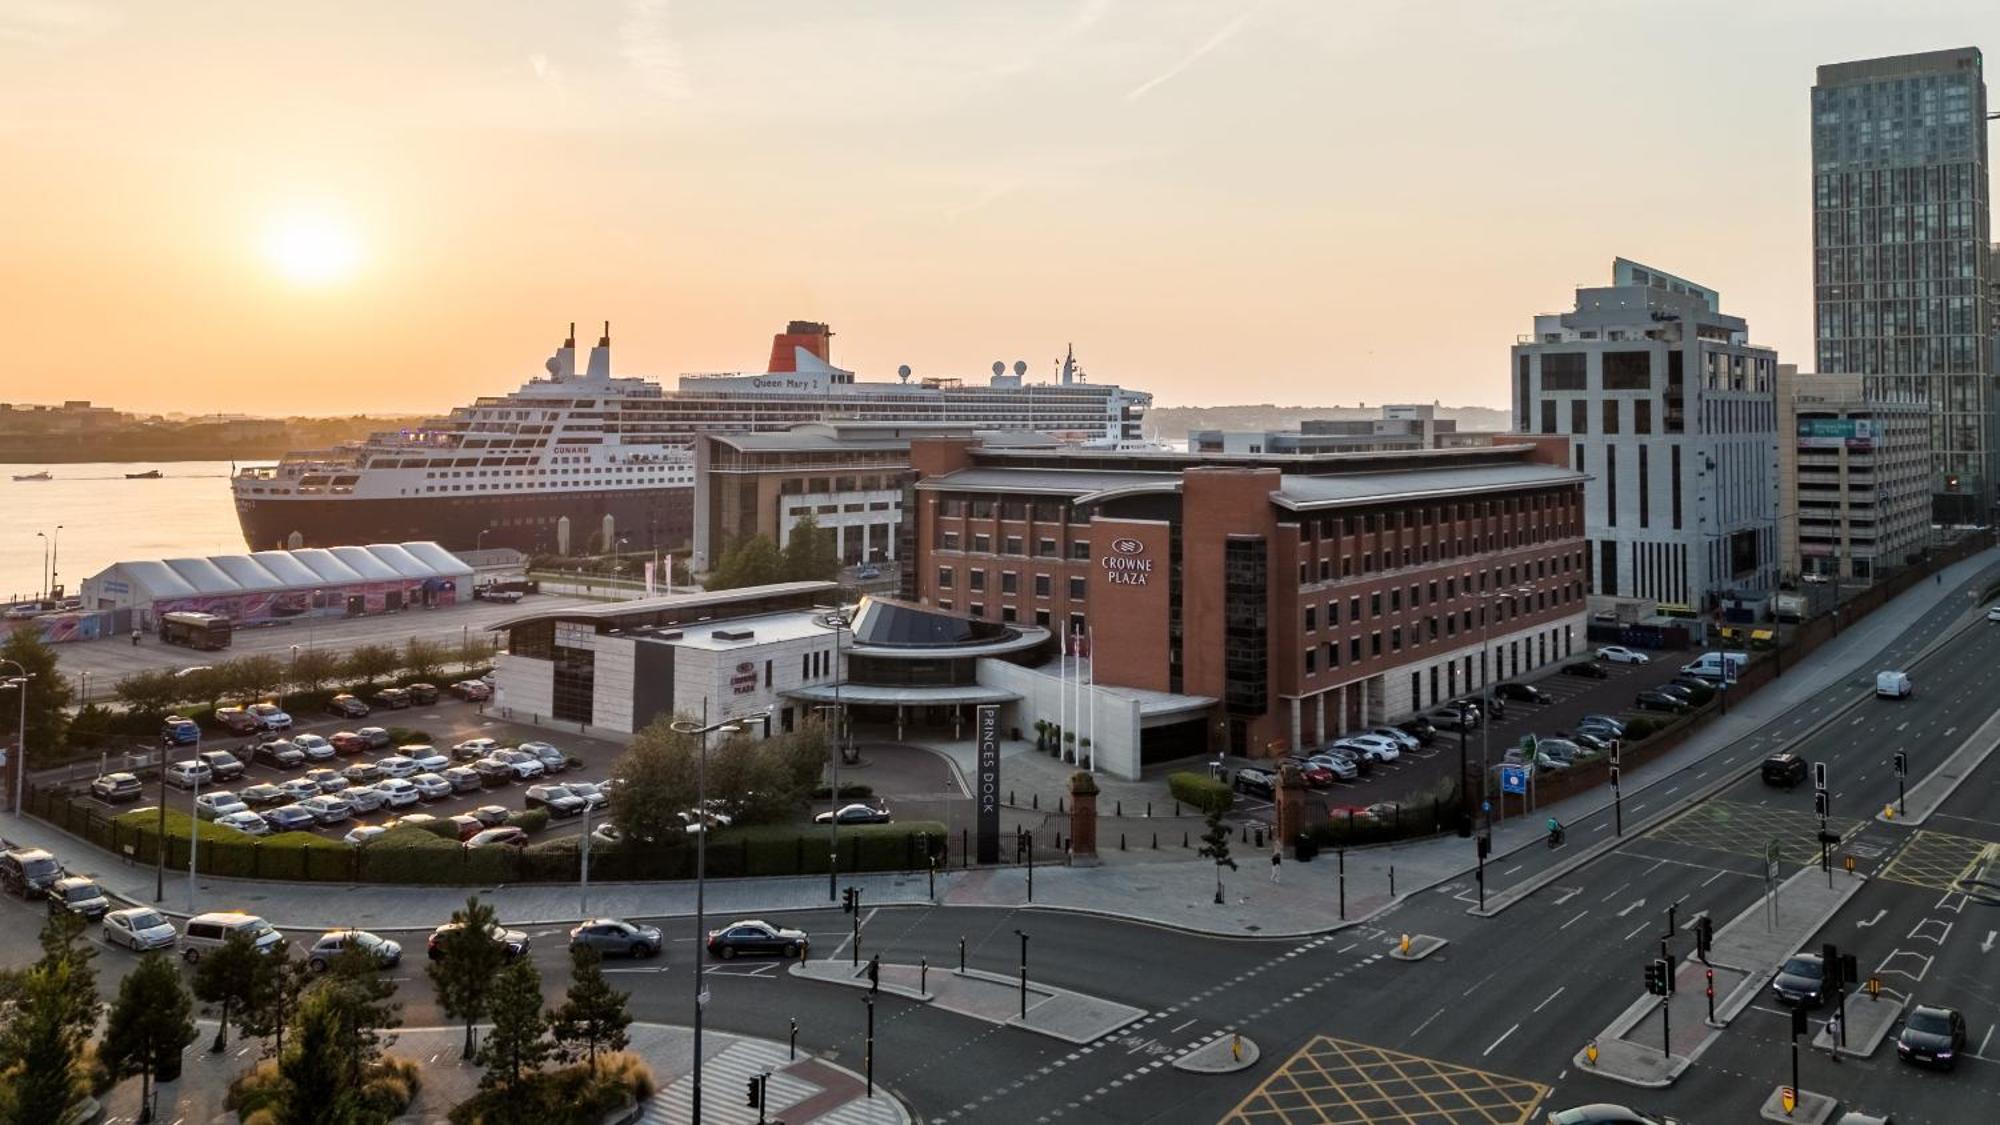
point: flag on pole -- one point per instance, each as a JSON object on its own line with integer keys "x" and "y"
{"x": 649, "y": 578}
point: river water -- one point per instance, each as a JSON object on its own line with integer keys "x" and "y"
{"x": 106, "y": 518}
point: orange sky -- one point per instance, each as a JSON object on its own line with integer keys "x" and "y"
{"x": 1263, "y": 202}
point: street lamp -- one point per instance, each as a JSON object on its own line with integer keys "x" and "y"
{"x": 55, "y": 559}
{"x": 700, "y": 732}
{"x": 479, "y": 541}
{"x": 19, "y": 683}
{"x": 44, "y": 591}
{"x": 838, "y": 622}
{"x": 1023, "y": 935}
{"x": 1486, "y": 602}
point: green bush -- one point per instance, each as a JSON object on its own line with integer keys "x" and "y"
{"x": 1200, "y": 790}
{"x": 409, "y": 736}
{"x": 442, "y": 829}
{"x": 298, "y": 856}
{"x": 1639, "y": 728}
{"x": 530, "y": 821}
{"x": 847, "y": 793}
{"x": 412, "y": 854}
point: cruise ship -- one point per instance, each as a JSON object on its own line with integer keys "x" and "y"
{"x": 583, "y": 462}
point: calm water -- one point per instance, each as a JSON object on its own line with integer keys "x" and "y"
{"x": 106, "y": 518}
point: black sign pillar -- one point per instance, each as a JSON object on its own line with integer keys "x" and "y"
{"x": 988, "y": 794}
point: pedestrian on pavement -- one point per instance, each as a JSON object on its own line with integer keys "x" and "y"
{"x": 1940, "y": 577}
{"x": 135, "y": 638}
{"x": 1277, "y": 858}
{"x": 1833, "y": 1035}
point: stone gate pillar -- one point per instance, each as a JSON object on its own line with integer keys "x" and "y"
{"x": 1291, "y": 806}
{"x": 1083, "y": 819}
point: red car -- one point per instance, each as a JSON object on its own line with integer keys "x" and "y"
{"x": 468, "y": 826}
{"x": 1318, "y": 777}
{"x": 348, "y": 742}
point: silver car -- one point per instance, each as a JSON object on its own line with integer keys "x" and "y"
{"x": 364, "y": 798}
{"x": 139, "y": 928}
{"x": 332, "y": 943}
{"x": 327, "y": 809}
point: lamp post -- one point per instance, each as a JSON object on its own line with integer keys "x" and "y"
{"x": 55, "y": 560}
{"x": 19, "y": 682}
{"x": 44, "y": 591}
{"x": 834, "y": 620}
{"x": 1023, "y": 935}
{"x": 1486, "y": 603}
{"x": 701, "y": 732}
{"x": 479, "y": 541}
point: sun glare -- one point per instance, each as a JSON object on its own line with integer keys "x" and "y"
{"x": 311, "y": 249}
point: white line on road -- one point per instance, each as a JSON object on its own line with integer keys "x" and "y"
{"x": 1512, "y": 869}
{"x": 1559, "y": 992}
{"x": 1872, "y": 921}
{"x": 1714, "y": 877}
{"x": 1614, "y": 894}
{"x": 1475, "y": 987}
{"x": 1188, "y": 1024}
{"x": 1426, "y": 1023}
{"x": 1637, "y": 932}
{"x": 1573, "y": 921}
{"x": 1986, "y": 1040}
{"x": 1635, "y": 905}
{"x": 1502, "y": 1039}
{"x": 1902, "y": 726}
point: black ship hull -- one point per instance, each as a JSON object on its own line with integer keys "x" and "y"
{"x": 647, "y": 519}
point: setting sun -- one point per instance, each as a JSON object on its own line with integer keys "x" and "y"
{"x": 311, "y": 249}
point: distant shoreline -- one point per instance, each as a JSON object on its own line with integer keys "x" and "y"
{"x": 139, "y": 455}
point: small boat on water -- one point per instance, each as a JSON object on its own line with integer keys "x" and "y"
{"x": 43, "y": 475}
{"x": 149, "y": 474}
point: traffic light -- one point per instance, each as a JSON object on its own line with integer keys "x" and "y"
{"x": 1485, "y": 845}
{"x": 754, "y": 1095}
{"x": 1822, "y": 808}
{"x": 1660, "y": 976}
{"x": 1902, "y": 764}
{"x": 1704, "y": 935}
{"x": 848, "y": 897}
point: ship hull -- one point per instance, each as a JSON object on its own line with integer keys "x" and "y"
{"x": 647, "y": 519}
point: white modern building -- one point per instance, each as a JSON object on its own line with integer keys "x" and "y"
{"x": 1672, "y": 413}
{"x": 1856, "y": 472}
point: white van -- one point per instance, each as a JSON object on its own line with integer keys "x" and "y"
{"x": 1717, "y": 665}
{"x": 1894, "y": 685}
{"x": 210, "y": 931}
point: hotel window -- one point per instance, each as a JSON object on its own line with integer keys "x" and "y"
{"x": 1611, "y": 415}
{"x": 1079, "y": 549}
{"x": 1354, "y": 609}
{"x": 1312, "y": 618}
{"x": 1332, "y": 614}
{"x": 983, "y": 544}
{"x": 1579, "y": 416}
{"x": 1353, "y": 649}
{"x": 1041, "y": 585}
{"x": 1395, "y": 600}
{"x": 1007, "y": 613}
{"x": 1045, "y": 548}
{"x": 1076, "y": 589}
{"x": 1010, "y": 583}
{"x": 976, "y": 579}
{"x": 944, "y": 578}
{"x": 976, "y": 609}
{"x": 1375, "y": 643}
{"x": 1332, "y": 655}
{"x": 1011, "y": 545}
{"x": 1312, "y": 660}
{"x": 1375, "y": 604}
{"x": 981, "y": 509}
{"x": 1396, "y": 639}
{"x": 948, "y": 541}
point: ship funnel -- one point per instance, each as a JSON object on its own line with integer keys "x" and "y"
{"x": 600, "y": 356}
{"x": 562, "y": 365}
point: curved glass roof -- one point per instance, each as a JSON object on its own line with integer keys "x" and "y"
{"x": 892, "y": 623}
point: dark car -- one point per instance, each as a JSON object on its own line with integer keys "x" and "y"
{"x": 1784, "y": 769}
{"x": 1588, "y": 669}
{"x": 1697, "y": 687}
{"x": 222, "y": 765}
{"x": 855, "y": 814}
{"x": 1597, "y": 742}
{"x": 555, "y": 798}
{"x": 1801, "y": 981}
{"x": 1652, "y": 700}
{"x": 278, "y": 753}
{"x": 615, "y": 937}
{"x": 1420, "y": 728}
{"x": 753, "y": 936}
{"x": 291, "y": 818}
{"x": 116, "y": 788}
{"x": 1932, "y": 1036}
{"x": 263, "y": 795}
{"x": 1524, "y": 693}
{"x": 394, "y": 698}
{"x": 28, "y": 871}
{"x": 1256, "y": 780}
{"x": 422, "y": 693}
{"x": 347, "y": 707}
{"x": 1679, "y": 691}
{"x": 78, "y": 895}
{"x": 515, "y": 941}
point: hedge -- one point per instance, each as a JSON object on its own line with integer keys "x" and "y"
{"x": 847, "y": 793}
{"x": 1201, "y": 791}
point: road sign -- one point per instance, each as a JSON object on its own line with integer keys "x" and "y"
{"x": 1819, "y": 776}
{"x": 1485, "y": 806}
{"x": 1773, "y": 852}
{"x": 1513, "y": 779}
{"x": 1789, "y": 1098}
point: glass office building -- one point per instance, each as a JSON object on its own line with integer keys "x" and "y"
{"x": 1902, "y": 274}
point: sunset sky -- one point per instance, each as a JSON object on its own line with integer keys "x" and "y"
{"x": 376, "y": 206}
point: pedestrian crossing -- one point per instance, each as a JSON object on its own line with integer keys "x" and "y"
{"x": 725, "y": 1082}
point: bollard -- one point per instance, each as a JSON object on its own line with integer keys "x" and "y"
{"x": 1177, "y": 808}
{"x": 923, "y": 974}
{"x": 1118, "y": 808}
{"x": 1184, "y": 838}
{"x": 1392, "y": 880}
{"x": 1149, "y": 810}
{"x": 1121, "y": 841}
{"x": 1260, "y": 837}
{"x": 1010, "y": 797}
{"x": 1059, "y": 804}
{"x": 961, "y": 955}
{"x": 1156, "y": 841}
{"x": 1246, "y": 833}
{"x": 1406, "y": 945}
{"x": 1035, "y": 800}
{"x": 795, "y": 1040}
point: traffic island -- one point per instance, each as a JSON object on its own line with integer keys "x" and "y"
{"x": 994, "y": 997}
{"x": 1868, "y": 1023}
{"x": 1416, "y": 947}
{"x": 1622, "y": 1060}
{"x": 1225, "y": 1054}
{"x": 1808, "y": 1109}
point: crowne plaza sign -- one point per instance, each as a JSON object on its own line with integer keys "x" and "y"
{"x": 1126, "y": 564}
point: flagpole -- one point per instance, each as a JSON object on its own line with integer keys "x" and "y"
{"x": 1090, "y": 645}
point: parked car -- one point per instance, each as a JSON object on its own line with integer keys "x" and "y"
{"x": 593, "y": 794}
{"x": 555, "y": 798}
{"x": 328, "y": 780}
{"x": 328, "y": 809}
{"x": 552, "y": 759}
{"x": 1343, "y": 767}
{"x": 1372, "y": 748}
{"x": 117, "y": 788}
{"x": 466, "y": 825}
{"x": 1251, "y": 779}
{"x": 140, "y": 929}
{"x": 298, "y": 788}
{"x": 1653, "y": 699}
{"x": 472, "y": 691}
{"x": 429, "y": 759}
{"x": 363, "y": 773}
{"x": 392, "y": 698}
{"x": 493, "y": 771}
{"x": 1424, "y": 730}
{"x": 1561, "y": 749}
{"x": 607, "y": 835}
{"x": 361, "y": 834}
{"x": 464, "y": 779}
{"x": 514, "y": 941}
{"x": 473, "y": 749}
{"x": 262, "y": 795}
{"x": 1590, "y": 740}
{"x": 279, "y": 753}
{"x": 331, "y": 944}
{"x": 209, "y": 932}
{"x": 1931, "y": 1036}
{"x": 422, "y": 694}
{"x": 237, "y": 720}
{"x": 1452, "y": 718}
{"x": 398, "y": 792}
{"x": 1993, "y": 613}
{"x": 1619, "y": 654}
{"x": 28, "y": 871}
{"x": 178, "y": 731}
{"x": 1312, "y": 773}
{"x": 291, "y": 818}
{"x": 522, "y": 766}
{"x": 78, "y": 894}
{"x": 431, "y": 787}
{"x": 614, "y": 937}
{"x": 246, "y": 822}
{"x": 756, "y": 936}
{"x": 1603, "y": 1113}
{"x": 851, "y": 814}
{"x": 1402, "y": 739}
{"x": 271, "y": 716}
{"x": 1610, "y": 722}
{"x": 377, "y": 737}
{"x": 364, "y": 798}
{"x": 219, "y": 803}
{"x": 347, "y": 742}
{"x": 1495, "y": 707}
{"x": 411, "y": 820}
{"x": 1585, "y": 669}
{"x": 188, "y": 773}
{"x": 1801, "y": 981}
{"x": 396, "y": 765}
{"x": 1523, "y": 693}
{"x": 501, "y": 837}
{"x": 315, "y": 748}
{"x": 222, "y": 765}
{"x": 1784, "y": 769}
{"x": 1678, "y": 691}
{"x": 347, "y": 706}
{"x": 491, "y": 816}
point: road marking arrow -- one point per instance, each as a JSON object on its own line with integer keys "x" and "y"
{"x": 1631, "y": 908}
{"x": 1872, "y": 921}
{"x": 1987, "y": 945}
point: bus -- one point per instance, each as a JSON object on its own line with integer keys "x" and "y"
{"x": 206, "y": 631}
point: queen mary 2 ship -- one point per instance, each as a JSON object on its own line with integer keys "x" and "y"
{"x": 592, "y": 461}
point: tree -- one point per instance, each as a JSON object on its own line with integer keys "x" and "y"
{"x": 313, "y": 668}
{"x": 276, "y": 1000}
{"x": 233, "y": 979}
{"x": 658, "y": 769}
{"x": 810, "y": 554}
{"x": 468, "y": 960}
{"x": 1215, "y": 845}
{"x": 254, "y": 677}
{"x": 89, "y": 727}
{"x": 474, "y": 652}
{"x": 151, "y": 695}
{"x": 424, "y": 659}
{"x": 51, "y": 1012}
{"x": 518, "y": 1043}
{"x": 312, "y": 1074}
{"x": 593, "y": 1016}
{"x": 48, "y": 694}
{"x": 753, "y": 562}
{"x": 366, "y": 664}
{"x": 151, "y": 1022}
{"x": 366, "y": 1006}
